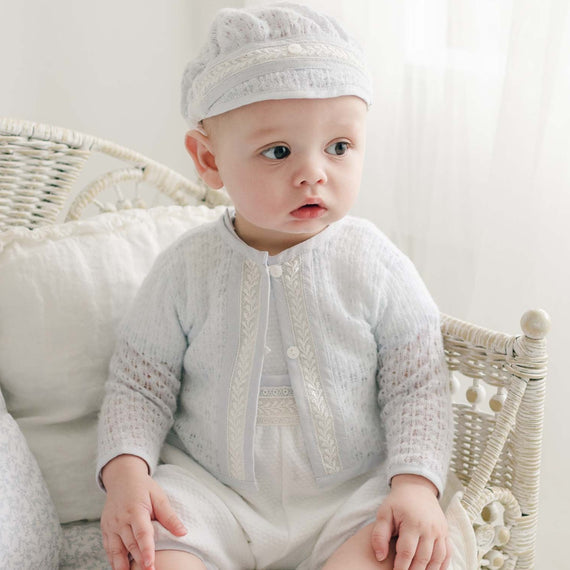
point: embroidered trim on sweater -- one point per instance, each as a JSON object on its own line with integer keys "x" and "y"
{"x": 320, "y": 410}
{"x": 241, "y": 374}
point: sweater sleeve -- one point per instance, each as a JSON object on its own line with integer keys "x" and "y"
{"x": 413, "y": 378}
{"x": 145, "y": 372}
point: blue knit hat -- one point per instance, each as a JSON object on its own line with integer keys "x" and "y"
{"x": 277, "y": 51}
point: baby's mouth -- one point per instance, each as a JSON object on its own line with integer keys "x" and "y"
{"x": 309, "y": 211}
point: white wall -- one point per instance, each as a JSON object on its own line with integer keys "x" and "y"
{"x": 112, "y": 68}
{"x": 107, "y": 68}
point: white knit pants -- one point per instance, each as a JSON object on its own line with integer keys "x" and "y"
{"x": 287, "y": 523}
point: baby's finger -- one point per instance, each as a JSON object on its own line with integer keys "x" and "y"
{"x": 380, "y": 538}
{"x": 144, "y": 535}
{"x": 423, "y": 555}
{"x": 405, "y": 550}
{"x": 449, "y": 552}
{"x": 439, "y": 555}
{"x": 117, "y": 553}
{"x": 165, "y": 515}
{"x": 131, "y": 545}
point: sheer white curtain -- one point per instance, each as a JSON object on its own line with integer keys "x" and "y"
{"x": 468, "y": 171}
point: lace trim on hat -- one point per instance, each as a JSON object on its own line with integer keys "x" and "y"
{"x": 304, "y": 52}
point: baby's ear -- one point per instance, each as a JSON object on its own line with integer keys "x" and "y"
{"x": 200, "y": 148}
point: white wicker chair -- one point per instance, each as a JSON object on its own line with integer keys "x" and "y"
{"x": 496, "y": 450}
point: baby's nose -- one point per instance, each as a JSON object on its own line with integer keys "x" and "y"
{"x": 310, "y": 174}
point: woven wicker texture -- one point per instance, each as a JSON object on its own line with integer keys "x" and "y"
{"x": 40, "y": 163}
{"x": 497, "y": 448}
{"x": 497, "y": 439}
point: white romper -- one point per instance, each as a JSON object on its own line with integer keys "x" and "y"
{"x": 288, "y": 522}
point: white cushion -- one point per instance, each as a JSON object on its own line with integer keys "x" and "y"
{"x": 83, "y": 547}
{"x": 63, "y": 290}
{"x": 461, "y": 534}
{"x": 461, "y": 537}
{"x": 30, "y": 535}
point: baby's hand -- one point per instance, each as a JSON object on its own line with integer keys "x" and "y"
{"x": 133, "y": 500}
{"x": 412, "y": 512}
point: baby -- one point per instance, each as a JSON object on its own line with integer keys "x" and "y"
{"x": 285, "y": 361}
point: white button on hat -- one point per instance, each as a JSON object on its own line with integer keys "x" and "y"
{"x": 275, "y": 270}
{"x": 293, "y": 352}
{"x": 295, "y": 49}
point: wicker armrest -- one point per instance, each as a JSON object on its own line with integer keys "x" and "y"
{"x": 497, "y": 448}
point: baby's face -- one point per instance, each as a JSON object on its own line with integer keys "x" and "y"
{"x": 291, "y": 167}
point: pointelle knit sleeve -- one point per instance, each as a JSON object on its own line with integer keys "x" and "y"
{"x": 145, "y": 371}
{"x": 413, "y": 377}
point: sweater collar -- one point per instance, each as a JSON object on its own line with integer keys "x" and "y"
{"x": 228, "y": 232}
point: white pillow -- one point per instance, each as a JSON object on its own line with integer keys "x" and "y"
{"x": 30, "y": 535}
{"x": 63, "y": 290}
{"x": 461, "y": 534}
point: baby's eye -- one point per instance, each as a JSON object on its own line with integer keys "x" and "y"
{"x": 278, "y": 152}
{"x": 338, "y": 148}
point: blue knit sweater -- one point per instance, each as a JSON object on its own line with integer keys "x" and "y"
{"x": 362, "y": 343}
